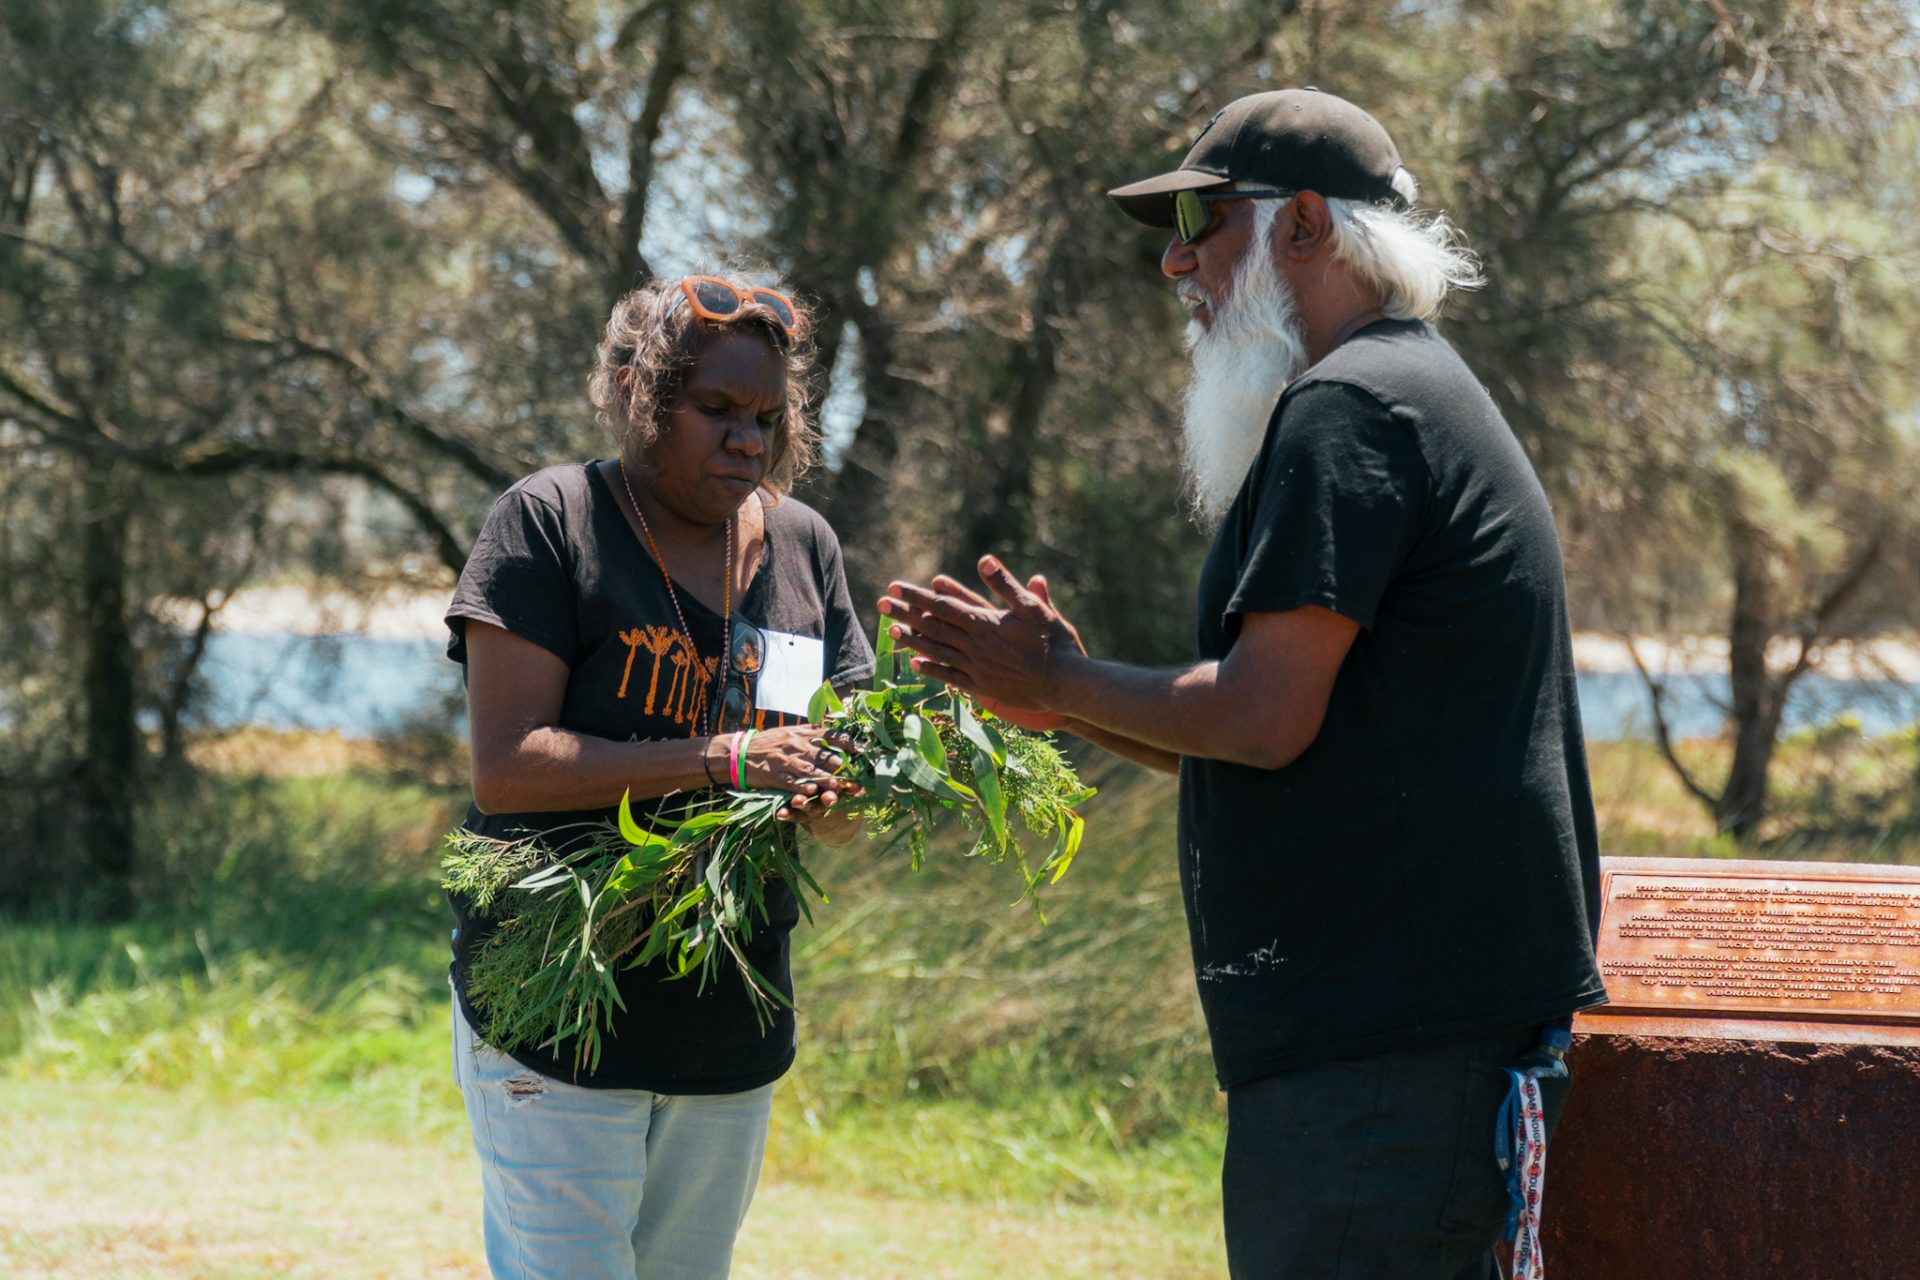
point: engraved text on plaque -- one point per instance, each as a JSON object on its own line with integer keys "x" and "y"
{"x": 1805, "y": 942}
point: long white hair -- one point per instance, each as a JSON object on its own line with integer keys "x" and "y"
{"x": 1256, "y": 345}
{"x": 1413, "y": 259}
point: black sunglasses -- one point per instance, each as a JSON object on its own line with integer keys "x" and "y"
{"x": 1190, "y": 215}
{"x": 746, "y": 654}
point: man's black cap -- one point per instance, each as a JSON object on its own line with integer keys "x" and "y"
{"x": 1292, "y": 139}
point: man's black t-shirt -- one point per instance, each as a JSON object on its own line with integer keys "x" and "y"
{"x": 558, "y": 564}
{"x": 1428, "y": 867}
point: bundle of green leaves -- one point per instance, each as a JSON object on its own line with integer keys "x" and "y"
{"x": 690, "y": 889}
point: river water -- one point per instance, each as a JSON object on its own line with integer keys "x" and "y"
{"x": 364, "y": 686}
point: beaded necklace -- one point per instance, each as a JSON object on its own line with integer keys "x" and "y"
{"x": 726, "y": 598}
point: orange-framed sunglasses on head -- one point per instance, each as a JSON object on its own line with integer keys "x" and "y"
{"x": 721, "y": 300}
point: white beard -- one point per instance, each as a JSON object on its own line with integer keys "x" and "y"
{"x": 1240, "y": 366}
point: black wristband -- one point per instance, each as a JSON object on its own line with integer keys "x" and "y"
{"x": 704, "y": 766}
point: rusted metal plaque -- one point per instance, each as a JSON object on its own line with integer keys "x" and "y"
{"x": 1759, "y": 950}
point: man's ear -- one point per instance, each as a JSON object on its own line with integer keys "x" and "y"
{"x": 1306, "y": 228}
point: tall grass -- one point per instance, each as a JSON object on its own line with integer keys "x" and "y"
{"x": 972, "y": 1050}
{"x": 294, "y": 947}
{"x": 288, "y": 943}
{"x": 1834, "y": 795}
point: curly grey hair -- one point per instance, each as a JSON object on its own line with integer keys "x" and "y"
{"x": 653, "y": 333}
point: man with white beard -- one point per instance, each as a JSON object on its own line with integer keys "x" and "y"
{"x": 1244, "y": 355}
{"x": 1387, "y": 846}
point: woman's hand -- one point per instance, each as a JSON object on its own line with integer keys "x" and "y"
{"x": 802, "y": 759}
{"x": 820, "y": 818}
{"x": 809, "y": 755}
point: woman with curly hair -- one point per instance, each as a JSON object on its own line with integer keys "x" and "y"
{"x": 652, "y": 624}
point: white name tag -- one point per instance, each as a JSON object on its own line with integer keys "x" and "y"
{"x": 791, "y": 673}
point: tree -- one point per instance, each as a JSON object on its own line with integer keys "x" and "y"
{"x": 1698, "y": 328}
{"x": 1791, "y": 449}
{"x": 170, "y": 260}
{"x": 262, "y": 258}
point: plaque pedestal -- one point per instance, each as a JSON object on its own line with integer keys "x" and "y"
{"x": 1749, "y": 1107}
{"x": 1735, "y": 1160}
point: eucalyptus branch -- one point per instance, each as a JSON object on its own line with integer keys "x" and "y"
{"x": 689, "y": 892}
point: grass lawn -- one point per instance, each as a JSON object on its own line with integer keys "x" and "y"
{"x": 131, "y": 1182}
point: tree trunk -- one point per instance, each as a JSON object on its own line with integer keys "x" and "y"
{"x": 173, "y": 711}
{"x": 109, "y": 736}
{"x": 996, "y": 508}
{"x": 857, "y": 500}
{"x": 1757, "y": 696}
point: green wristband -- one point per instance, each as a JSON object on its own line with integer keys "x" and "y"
{"x": 740, "y": 760}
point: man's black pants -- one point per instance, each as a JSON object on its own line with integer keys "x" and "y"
{"x": 1379, "y": 1168}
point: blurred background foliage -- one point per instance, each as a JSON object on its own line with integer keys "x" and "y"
{"x": 292, "y": 289}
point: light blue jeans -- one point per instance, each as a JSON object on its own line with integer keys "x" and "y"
{"x": 606, "y": 1184}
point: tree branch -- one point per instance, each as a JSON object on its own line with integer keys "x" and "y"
{"x": 310, "y": 113}
{"x": 670, "y": 64}
{"x": 180, "y": 688}
{"x": 19, "y": 233}
{"x": 246, "y": 458}
{"x": 930, "y": 83}
{"x": 238, "y": 459}
{"x": 366, "y": 379}
{"x": 40, "y": 406}
{"x": 22, "y": 173}
{"x": 1852, "y": 577}
{"x": 1662, "y": 732}
{"x": 560, "y": 180}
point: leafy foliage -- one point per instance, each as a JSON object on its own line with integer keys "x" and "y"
{"x": 690, "y": 894}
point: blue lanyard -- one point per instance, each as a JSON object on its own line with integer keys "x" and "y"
{"x": 1520, "y": 1146}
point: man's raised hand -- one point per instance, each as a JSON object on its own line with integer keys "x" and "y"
{"x": 1009, "y": 659}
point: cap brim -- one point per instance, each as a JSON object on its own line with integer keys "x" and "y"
{"x": 1151, "y": 200}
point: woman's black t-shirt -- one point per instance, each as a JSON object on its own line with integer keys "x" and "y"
{"x": 558, "y": 564}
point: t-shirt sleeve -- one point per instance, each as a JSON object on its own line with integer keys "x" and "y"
{"x": 519, "y": 577}
{"x": 849, "y": 653}
{"x": 1341, "y": 494}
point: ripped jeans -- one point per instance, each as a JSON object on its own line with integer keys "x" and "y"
{"x": 606, "y": 1184}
